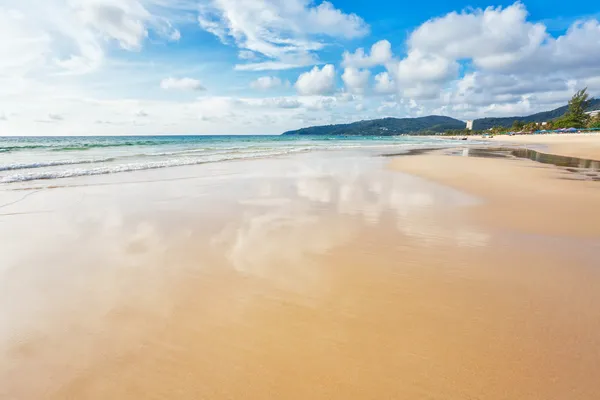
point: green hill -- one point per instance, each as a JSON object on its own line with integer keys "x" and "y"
{"x": 385, "y": 126}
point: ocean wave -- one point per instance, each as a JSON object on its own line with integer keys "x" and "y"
{"x": 46, "y": 175}
{"x": 81, "y": 146}
{"x": 12, "y": 167}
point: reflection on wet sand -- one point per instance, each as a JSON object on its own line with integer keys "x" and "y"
{"x": 583, "y": 168}
{"x": 304, "y": 277}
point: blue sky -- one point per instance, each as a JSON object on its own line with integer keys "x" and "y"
{"x": 111, "y": 67}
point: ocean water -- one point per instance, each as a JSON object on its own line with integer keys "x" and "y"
{"x": 47, "y": 158}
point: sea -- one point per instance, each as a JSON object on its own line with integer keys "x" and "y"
{"x": 49, "y": 158}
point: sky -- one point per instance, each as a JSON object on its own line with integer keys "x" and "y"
{"x": 144, "y": 67}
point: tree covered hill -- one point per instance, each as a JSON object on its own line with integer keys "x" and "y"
{"x": 385, "y": 126}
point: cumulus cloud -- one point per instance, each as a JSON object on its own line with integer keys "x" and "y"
{"x": 381, "y": 53}
{"x": 492, "y": 38}
{"x": 355, "y": 80}
{"x": 420, "y": 75}
{"x": 424, "y": 67}
{"x": 266, "y": 83}
{"x": 181, "y": 84}
{"x": 285, "y": 33}
{"x": 318, "y": 81}
{"x": 384, "y": 83}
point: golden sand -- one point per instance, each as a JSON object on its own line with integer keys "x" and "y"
{"x": 351, "y": 282}
{"x": 520, "y": 195}
{"x": 585, "y": 145}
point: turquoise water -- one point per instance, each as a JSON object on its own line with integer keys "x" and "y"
{"x": 36, "y": 158}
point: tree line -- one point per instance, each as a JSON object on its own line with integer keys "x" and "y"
{"x": 575, "y": 117}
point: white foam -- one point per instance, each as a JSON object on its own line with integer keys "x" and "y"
{"x": 16, "y": 166}
{"x": 70, "y": 173}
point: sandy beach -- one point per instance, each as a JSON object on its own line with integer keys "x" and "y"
{"x": 585, "y": 145}
{"x": 312, "y": 276}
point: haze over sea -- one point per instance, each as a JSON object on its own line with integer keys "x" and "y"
{"x": 37, "y": 158}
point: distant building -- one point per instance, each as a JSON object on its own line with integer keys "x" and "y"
{"x": 593, "y": 113}
{"x": 470, "y": 124}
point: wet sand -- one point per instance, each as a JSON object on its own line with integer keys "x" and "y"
{"x": 314, "y": 276}
{"x": 519, "y": 195}
{"x": 586, "y": 145}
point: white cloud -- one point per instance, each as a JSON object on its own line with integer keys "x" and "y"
{"x": 246, "y": 55}
{"x": 181, "y": 84}
{"x": 280, "y": 102}
{"x": 317, "y": 81}
{"x": 123, "y": 21}
{"x": 384, "y": 84}
{"x": 73, "y": 34}
{"x": 502, "y": 40}
{"x": 381, "y": 53}
{"x": 424, "y": 67}
{"x": 319, "y": 103}
{"x": 275, "y": 65}
{"x": 285, "y": 33}
{"x": 419, "y": 75}
{"x": 356, "y": 81}
{"x": 266, "y": 83}
{"x": 325, "y": 19}
{"x": 492, "y": 38}
{"x": 346, "y": 97}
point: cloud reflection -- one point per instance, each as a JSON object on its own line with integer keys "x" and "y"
{"x": 324, "y": 207}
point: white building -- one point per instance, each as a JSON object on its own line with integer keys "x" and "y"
{"x": 593, "y": 113}
{"x": 470, "y": 124}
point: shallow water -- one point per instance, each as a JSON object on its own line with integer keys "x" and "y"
{"x": 49, "y": 158}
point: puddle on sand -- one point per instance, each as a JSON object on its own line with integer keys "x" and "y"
{"x": 414, "y": 152}
{"x": 584, "y": 168}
